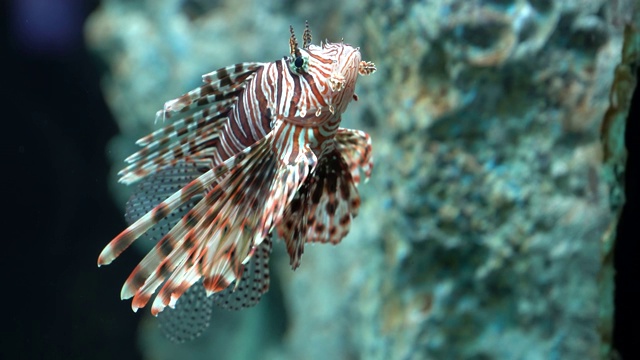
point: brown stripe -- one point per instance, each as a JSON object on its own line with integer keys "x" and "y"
{"x": 190, "y": 190}
{"x": 239, "y": 119}
{"x": 182, "y": 131}
{"x": 297, "y": 93}
{"x": 168, "y": 129}
{"x": 332, "y": 178}
{"x": 206, "y": 89}
{"x": 138, "y": 278}
{"x": 163, "y": 269}
{"x": 344, "y": 185}
{"x": 279, "y": 81}
{"x": 320, "y": 58}
{"x": 222, "y": 73}
{"x": 177, "y": 153}
{"x": 160, "y": 212}
{"x": 165, "y": 246}
{"x": 226, "y": 81}
{"x": 189, "y": 219}
{"x": 317, "y": 194}
{"x": 314, "y": 89}
{"x": 189, "y": 240}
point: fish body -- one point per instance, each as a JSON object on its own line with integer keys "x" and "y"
{"x": 256, "y": 151}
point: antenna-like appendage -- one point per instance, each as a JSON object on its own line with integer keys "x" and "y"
{"x": 306, "y": 37}
{"x": 293, "y": 44}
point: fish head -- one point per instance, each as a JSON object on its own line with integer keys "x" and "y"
{"x": 329, "y": 71}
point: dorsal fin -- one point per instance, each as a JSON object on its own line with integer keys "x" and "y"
{"x": 197, "y": 118}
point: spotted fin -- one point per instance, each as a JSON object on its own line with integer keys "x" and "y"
{"x": 245, "y": 197}
{"x": 155, "y": 188}
{"x": 198, "y": 117}
{"x": 293, "y": 227}
{"x": 323, "y": 208}
{"x": 255, "y": 281}
{"x": 190, "y": 317}
{"x": 355, "y": 147}
{"x": 240, "y": 212}
{"x": 176, "y": 256}
{"x": 192, "y": 312}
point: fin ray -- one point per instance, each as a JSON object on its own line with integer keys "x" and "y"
{"x": 355, "y": 147}
{"x": 199, "y": 116}
{"x": 217, "y": 236}
{"x": 322, "y": 209}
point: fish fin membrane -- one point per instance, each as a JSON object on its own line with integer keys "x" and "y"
{"x": 255, "y": 281}
{"x": 190, "y": 317}
{"x": 155, "y": 188}
{"x": 192, "y": 312}
{"x": 323, "y": 208}
{"x": 355, "y": 147}
{"x": 245, "y": 198}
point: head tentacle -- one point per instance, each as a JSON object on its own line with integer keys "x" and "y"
{"x": 306, "y": 36}
{"x": 366, "y": 68}
{"x": 293, "y": 44}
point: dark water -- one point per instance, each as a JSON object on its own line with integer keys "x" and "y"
{"x": 60, "y": 214}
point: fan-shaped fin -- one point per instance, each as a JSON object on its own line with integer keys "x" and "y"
{"x": 215, "y": 238}
{"x": 192, "y": 312}
{"x": 355, "y": 147}
{"x": 190, "y": 317}
{"x": 322, "y": 209}
{"x": 255, "y": 281}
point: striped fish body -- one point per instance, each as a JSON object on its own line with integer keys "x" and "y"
{"x": 304, "y": 107}
{"x": 256, "y": 151}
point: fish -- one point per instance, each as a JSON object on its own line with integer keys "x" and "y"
{"x": 254, "y": 154}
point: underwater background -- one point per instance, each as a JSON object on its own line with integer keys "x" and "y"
{"x": 487, "y": 230}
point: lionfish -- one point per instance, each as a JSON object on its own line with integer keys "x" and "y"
{"x": 257, "y": 150}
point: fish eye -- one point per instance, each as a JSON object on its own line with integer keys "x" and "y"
{"x": 299, "y": 64}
